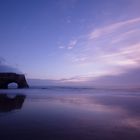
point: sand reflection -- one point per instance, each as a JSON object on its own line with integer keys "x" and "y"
{"x": 73, "y": 116}
{"x": 10, "y": 103}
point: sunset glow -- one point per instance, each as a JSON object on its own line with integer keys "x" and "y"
{"x": 73, "y": 40}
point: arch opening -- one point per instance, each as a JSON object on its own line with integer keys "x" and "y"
{"x": 12, "y": 85}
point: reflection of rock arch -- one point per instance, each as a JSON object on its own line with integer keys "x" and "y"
{"x": 8, "y": 104}
{"x": 7, "y": 78}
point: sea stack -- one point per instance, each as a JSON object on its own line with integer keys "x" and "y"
{"x": 7, "y": 78}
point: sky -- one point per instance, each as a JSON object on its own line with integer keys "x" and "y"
{"x": 71, "y": 41}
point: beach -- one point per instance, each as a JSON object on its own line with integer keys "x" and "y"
{"x": 69, "y": 114}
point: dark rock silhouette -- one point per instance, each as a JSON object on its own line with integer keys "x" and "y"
{"x": 8, "y": 104}
{"x": 7, "y": 78}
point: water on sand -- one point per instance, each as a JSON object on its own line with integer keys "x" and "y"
{"x": 69, "y": 114}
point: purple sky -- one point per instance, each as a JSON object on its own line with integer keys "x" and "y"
{"x": 72, "y": 41}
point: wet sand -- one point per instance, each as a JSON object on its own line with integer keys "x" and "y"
{"x": 69, "y": 114}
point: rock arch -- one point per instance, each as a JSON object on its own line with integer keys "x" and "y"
{"x": 12, "y": 85}
{"x": 7, "y": 78}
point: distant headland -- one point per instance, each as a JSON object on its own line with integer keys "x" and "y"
{"x": 7, "y": 78}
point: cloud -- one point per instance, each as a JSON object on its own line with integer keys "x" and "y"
{"x": 72, "y": 44}
{"x": 128, "y": 56}
{"x": 75, "y": 79}
{"x": 126, "y": 35}
{"x": 42, "y": 82}
{"x": 4, "y": 67}
{"x": 129, "y": 78}
{"x": 61, "y": 47}
{"x": 112, "y": 28}
{"x": 110, "y": 63}
{"x": 80, "y": 59}
{"x": 107, "y": 53}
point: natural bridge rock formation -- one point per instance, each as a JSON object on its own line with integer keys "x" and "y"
{"x": 7, "y": 78}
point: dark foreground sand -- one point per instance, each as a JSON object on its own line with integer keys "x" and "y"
{"x": 69, "y": 114}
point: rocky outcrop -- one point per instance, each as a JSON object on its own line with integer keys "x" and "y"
{"x": 7, "y": 78}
